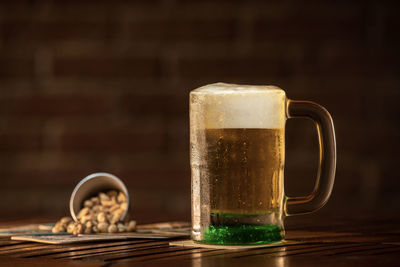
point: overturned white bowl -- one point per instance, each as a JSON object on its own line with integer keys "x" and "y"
{"x": 90, "y": 186}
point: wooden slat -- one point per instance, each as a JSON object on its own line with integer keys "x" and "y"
{"x": 42, "y": 262}
{"x": 135, "y": 254}
{"x": 386, "y": 251}
{"x": 363, "y": 250}
{"x": 87, "y": 254}
{"x": 76, "y": 248}
{"x": 330, "y": 251}
{"x": 176, "y": 254}
{"x": 9, "y": 243}
{"x": 19, "y": 248}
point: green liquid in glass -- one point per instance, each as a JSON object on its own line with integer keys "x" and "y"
{"x": 242, "y": 234}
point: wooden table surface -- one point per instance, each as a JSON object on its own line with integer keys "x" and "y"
{"x": 372, "y": 242}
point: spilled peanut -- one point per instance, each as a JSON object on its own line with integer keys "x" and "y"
{"x": 100, "y": 214}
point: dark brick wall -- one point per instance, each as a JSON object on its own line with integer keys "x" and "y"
{"x": 91, "y": 86}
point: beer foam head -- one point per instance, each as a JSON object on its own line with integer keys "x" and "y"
{"x": 222, "y": 105}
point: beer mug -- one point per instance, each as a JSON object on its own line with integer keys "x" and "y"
{"x": 237, "y": 155}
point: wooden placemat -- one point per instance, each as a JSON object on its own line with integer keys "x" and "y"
{"x": 72, "y": 239}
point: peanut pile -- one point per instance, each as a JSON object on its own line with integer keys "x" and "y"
{"x": 100, "y": 214}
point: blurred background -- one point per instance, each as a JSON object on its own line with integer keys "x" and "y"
{"x": 89, "y": 86}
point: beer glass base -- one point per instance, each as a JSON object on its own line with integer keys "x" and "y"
{"x": 242, "y": 234}
{"x": 240, "y": 229}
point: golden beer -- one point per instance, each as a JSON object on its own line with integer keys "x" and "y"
{"x": 245, "y": 170}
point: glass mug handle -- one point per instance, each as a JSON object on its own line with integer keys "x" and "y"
{"x": 327, "y": 157}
